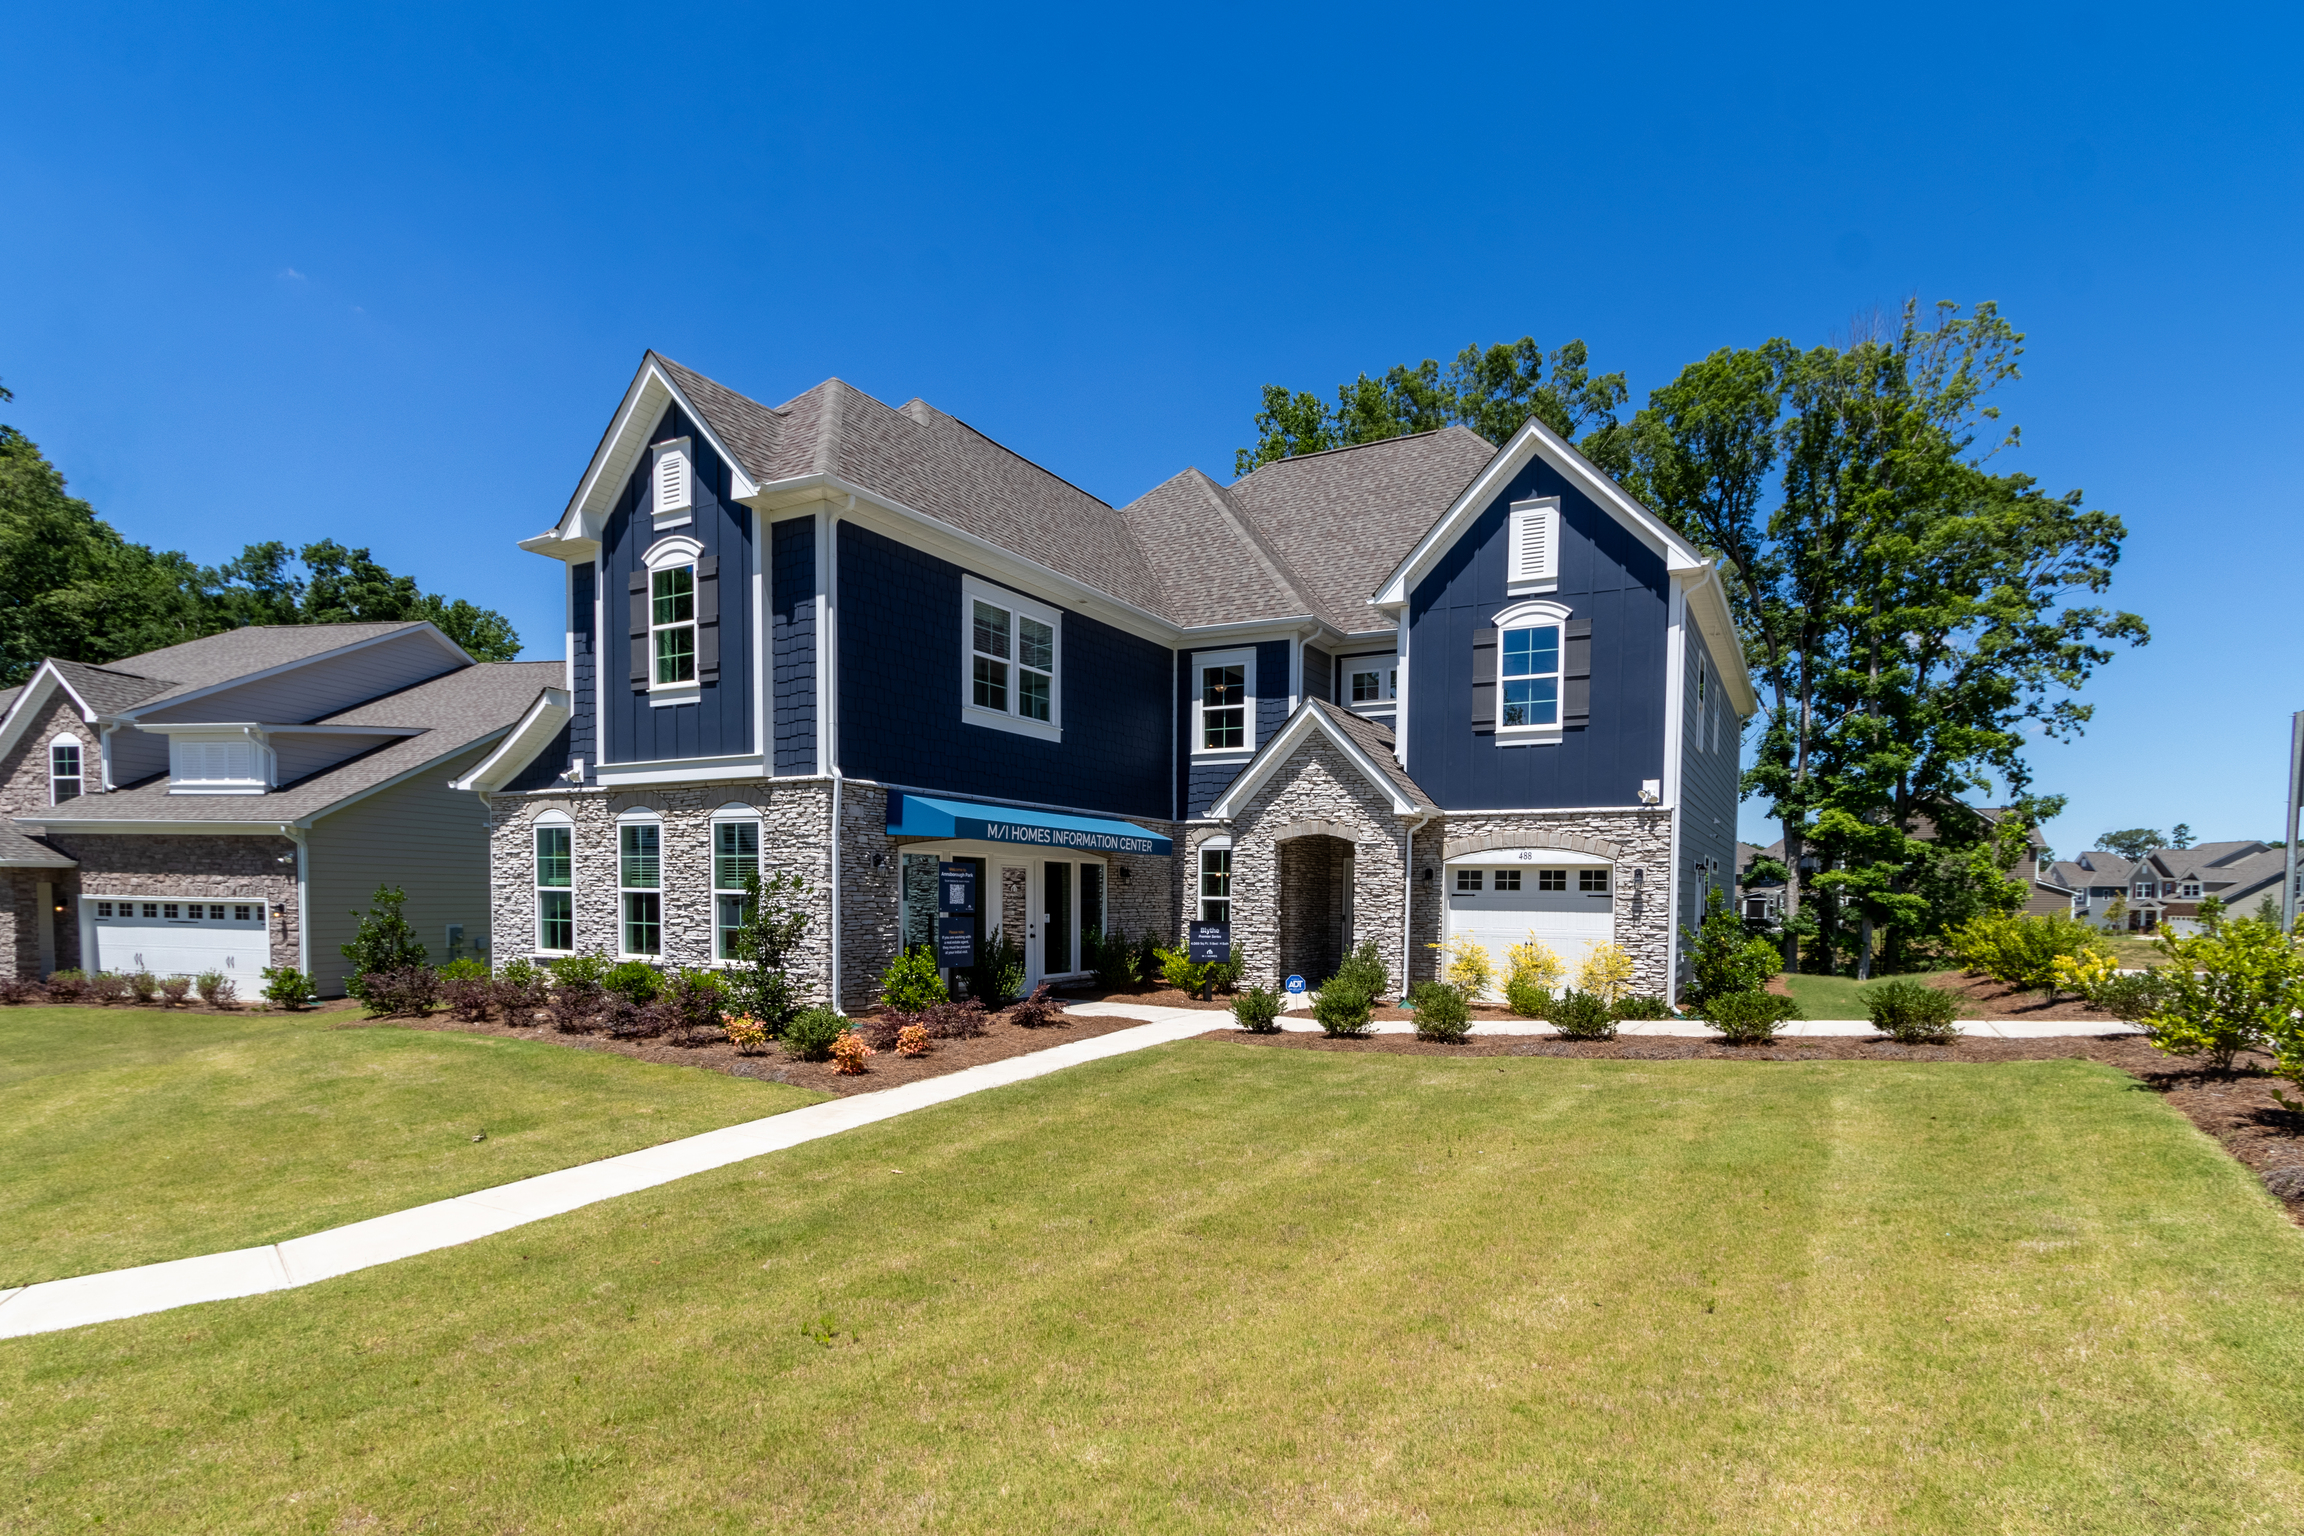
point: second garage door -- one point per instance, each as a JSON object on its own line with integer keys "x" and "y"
{"x": 1567, "y": 901}
{"x": 182, "y": 937}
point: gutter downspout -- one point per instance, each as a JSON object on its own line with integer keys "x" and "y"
{"x": 1408, "y": 900}
{"x": 832, "y": 719}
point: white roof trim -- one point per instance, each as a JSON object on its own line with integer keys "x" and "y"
{"x": 24, "y": 705}
{"x": 1708, "y": 602}
{"x": 529, "y": 736}
{"x": 1530, "y": 441}
{"x": 1309, "y": 717}
{"x": 644, "y": 400}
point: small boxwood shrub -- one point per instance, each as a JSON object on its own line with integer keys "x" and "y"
{"x": 636, "y": 980}
{"x": 1527, "y": 996}
{"x": 810, "y": 1035}
{"x": 1364, "y": 969}
{"x": 1641, "y": 1008}
{"x": 1257, "y": 1010}
{"x": 1342, "y": 1009}
{"x": 463, "y": 968}
{"x": 911, "y": 985}
{"x": 1749, "y": 1018}
{"x": 1912, "y": 1012}
{"x": 1583, "y": 1016}
{"x": 289, "y": 988}
{"x": 1442, "y": 1011}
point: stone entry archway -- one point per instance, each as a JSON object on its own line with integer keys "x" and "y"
{"x": 1316, "y": 916}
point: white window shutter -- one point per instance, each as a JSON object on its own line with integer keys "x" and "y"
{"x": 671, "y": 482}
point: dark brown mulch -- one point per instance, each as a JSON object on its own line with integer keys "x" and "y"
{"x": 1169, "y": 997}
{"x": 885, "y": 1069}
{"x": 2238, "y": 1110}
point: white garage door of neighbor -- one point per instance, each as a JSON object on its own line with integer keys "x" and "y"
{"x": 1501, "y": 899}
{"x": 181, "y": 938}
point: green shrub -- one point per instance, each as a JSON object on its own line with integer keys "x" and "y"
{"x": 216, "y": 988}
{"x": 693, "y": 1000}
{"x": 811, "y": 1033}
{"x": 1641, "y": 1008}
{"x": 67, "y": 985}
{"x": 579, "y": 969}
{"x": 1527, "y": 997}
{"x": 1364, "y": 969}
{"x": 1724, "y": 956}
{"x": 1342, "y": 1009}
{"x": 1148, "y": 955}
{"x": 1913, "y": 1012}
{"x": 1224, "y": 974}
{"x": 2021, "y": 951}
{"x": 1257, "y": 1009}
{"x": 1442, "y": 1011}
{"x": 466, "y": 969}
{"x": 173, "y": 990}
{"x": 912, "y": 985}
{"x": 1583, "y": 1016}
{"x": 107, "y": 987}
{"x": 2235, "y": 987}
{"x": 144, "y": 984}
{"x": 1112, "y": 958}
{"x": 1749, "y": 1018}
{"x": 998, "y": 975}
{"x": 287, "y": 987}
{"x": 762, "y": 949}
{"x": 2131, "y": 998}
{"x": 385, "y": 941}
{"x": 636, "y": 981}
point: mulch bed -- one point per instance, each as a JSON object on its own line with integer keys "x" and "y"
{"x": 2237, "y": 1110}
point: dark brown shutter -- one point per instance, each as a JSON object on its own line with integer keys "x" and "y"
{"x": 638, "y": 586}
{"x": 1576, "y": 673}
{"x": 1484, "y": 680}
{"x": 707, "y": 618}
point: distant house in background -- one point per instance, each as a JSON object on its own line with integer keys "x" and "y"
{"x": 227, "y": 804}
{"x": 1762, "y": 900}
{"x": 2163, "y": 889}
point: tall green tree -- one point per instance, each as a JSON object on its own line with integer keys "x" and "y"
{"x": 2133, "y": 843}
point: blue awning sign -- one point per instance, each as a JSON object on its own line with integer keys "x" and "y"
{"x": 967, "y": 820}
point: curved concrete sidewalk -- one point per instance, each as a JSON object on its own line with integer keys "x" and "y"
{"x": 72, "y": 1303}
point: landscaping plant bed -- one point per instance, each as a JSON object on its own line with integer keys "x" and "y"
{"x": 2238, "y": 1109}
{"x": 884, "y": 1069}
{"x": 1169, "y": 997}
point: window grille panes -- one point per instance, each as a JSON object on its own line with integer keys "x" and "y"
{"x": 1223, "y": 709}
{"x": 639, "y": 842}
{"x": 735, "y": 854}
{"x": 1551, "y": 879}
{"x": 1507, "y": 879}
{"x": 1365, "y": 687}
{"x": 555, "y": 920}
{"x": 1592, "y": 880}
{"x": 151, "y": 909}
{"x": 103, "y": 909}
{"x": 1215, "y": 885}
{"x": 168, "y": 911}
{"x": 215, "y": 914}
{"x": 992, "y": 630}
{"x": 643, "y": 923}
{"x": 1467, "y": 879}
{"x": 674, "y": 618}
{"x": 64, "y": 771}
{"x": 1035, "y": 667}
{"x": 732, "y": 913}
{"x": 240, "y": 914}
{"x": 1032, "y": 695}
{"x": 554, "y": 865}
{"x": 1531, "y": 675}
{"x": 991, "y": 691}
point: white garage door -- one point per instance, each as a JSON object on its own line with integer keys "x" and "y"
{"x": 1502, "y": 898}
{"x": 181, "y": 937}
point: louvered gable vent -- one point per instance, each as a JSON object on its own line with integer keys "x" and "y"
{"x": 1535, "y": 555}
{"x": 673, "y": 497}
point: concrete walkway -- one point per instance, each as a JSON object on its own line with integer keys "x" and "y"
{"x": 83, "y": 1299}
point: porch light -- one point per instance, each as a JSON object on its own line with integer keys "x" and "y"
{"x": 1126, "y": 873}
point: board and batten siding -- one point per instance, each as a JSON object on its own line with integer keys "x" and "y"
{"x": 1199, "y": 782}
{"x": 583, "y": 665}
{"x": 792, "y": 637}
{"x": 1607, "y": 575}
{"x": 420, "y": 835}
{"x": 1709, "y": 768}
{"x": 323, "y": 687}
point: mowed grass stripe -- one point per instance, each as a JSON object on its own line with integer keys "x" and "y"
{"x": 1212, "y": 1287}
{"x": 131, "y": 1136}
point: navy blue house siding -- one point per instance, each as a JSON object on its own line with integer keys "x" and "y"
{"x": 900, "y": 677}
{"x": 1199, "y": 783}
{"x": 545, "y": 768}
{"x": 792, "y": 633}
{"x": 583, "y": 658}
{"x": 720, "y": 724}
{"x": 1607, "y": 575}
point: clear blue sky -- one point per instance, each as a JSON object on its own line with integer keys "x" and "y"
{"x": 287, "y": 273}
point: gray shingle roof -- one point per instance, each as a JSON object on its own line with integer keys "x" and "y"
{"x": 20, "y": 852}
{"x": 1189, "y": 526}
{"x": 456, "y": 710}
{"x": 219, "y": 658}
{"x": 1344, "y": 519}
{"x": 108, "y": 690}
{"x": 1377, "y": 741}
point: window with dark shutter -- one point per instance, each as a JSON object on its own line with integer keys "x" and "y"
{"x": 1576, "y": 673}
{"x": 638, "y": 587}
{"x": 708, "y": 618}
{"x": 1484, "y": 680}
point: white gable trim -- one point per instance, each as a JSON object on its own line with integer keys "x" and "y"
{"x": 531, "y": 735}
{"x": 1309, "y": 718}
{"x": 620, "y": 449}
{"x": 1531, "y": 441}
{"x": 31, "y": 698}
{"x": 1708, "y": 606}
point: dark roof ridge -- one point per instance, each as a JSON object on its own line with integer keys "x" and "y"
{"x": 1322, "y": 453}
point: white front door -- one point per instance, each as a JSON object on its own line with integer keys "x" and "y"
{"x": 181, "y": 938}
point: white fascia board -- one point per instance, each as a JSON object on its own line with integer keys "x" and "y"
{"x": 684, "y": 771}
{"x": 1213, "y": 636}
{"x": 1708, "y": 601}
{"x": 644, "y": 400}
{"x": 258, "y": 727}
{"x": 1307, "y": 719}
{"x": 857, "y": 504}
{"x": 172, "y": 828}
{"x": 529, "y": 736}
{"x": 26, "y": 705}
{"x": 132, "y": 715}
{"x": 1531, "y": 440}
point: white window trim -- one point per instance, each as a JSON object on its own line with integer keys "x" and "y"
{"x": 725, "y": 816}
{"x": 1199, "y": 868}
{"x": 640, "y": 818}
{"x": 1245, "y": 657}
{"x": 1386, "y": 665}
{"x": 550, "y": 819}
{"x": 1528, "y": 616}
{"x": 672, "y": 484}
{"x": 670, "y": 555}
{"x": 80, "y": 757}
{"x": 974, "y": 591}
{"x": 1541, "y": 512}
{"x": 260, "y": 750}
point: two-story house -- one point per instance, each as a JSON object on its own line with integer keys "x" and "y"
{"x": 232, "y": 802}
{"x": 2165, "y": 887}
{"x": 1395, "y": 693}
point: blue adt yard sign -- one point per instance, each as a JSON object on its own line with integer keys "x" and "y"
{"x": 1295, "y": 986}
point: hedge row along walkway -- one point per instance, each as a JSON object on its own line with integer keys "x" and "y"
{"x": 83, "y": 1299}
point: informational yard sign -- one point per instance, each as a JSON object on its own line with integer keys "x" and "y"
{"x": 956, "y": 941}
{"x": 1210, "y": 941}
{"x": 955, "y": 888}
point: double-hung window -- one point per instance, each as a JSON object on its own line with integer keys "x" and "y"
{"x": 641, "y": 878}
{"x": 1224, "y": 702}
{"x": 735, "y": 866}
{"x": 64, "y": 770}
{"x": 1530, "y": 676}
{"x": 555, "y": 887}
{"x": 1216, "y": 884}
{"x": 672, "y": 624}
{"x": 1014, "y": 648}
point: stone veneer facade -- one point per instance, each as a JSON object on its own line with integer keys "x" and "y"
{"x": 214, "y": 866}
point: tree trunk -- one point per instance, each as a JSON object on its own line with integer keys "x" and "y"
{"x": 1864, "y": 948}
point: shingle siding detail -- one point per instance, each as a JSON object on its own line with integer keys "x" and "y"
{"x": 583, "y": 668}
{"x": 792, "y": 634}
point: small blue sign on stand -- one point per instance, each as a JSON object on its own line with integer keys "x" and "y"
{"x": 1295, "y": 985}
{"x": 1209, "y": 941}
{"x": 956, "y": 941}
{"x": 955, "y": 887}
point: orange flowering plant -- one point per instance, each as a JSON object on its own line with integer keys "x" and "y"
{"x": 744, "y": 1032}
{"x": 848, "y": 1053}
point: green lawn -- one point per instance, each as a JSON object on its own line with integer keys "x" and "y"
{"x": 1214, "y": 1287}
{"x": 132, "y": 1135}
{"x": 1842, "y": 997}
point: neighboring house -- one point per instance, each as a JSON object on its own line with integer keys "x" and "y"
{"x": 2165, "y": 887}
{"x": 226, "y": 804}
{"x": 1391, "y": 693}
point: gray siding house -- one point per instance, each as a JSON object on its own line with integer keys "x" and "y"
{"x": 1420, "y": 689}
{"x": 229, "y": 803}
